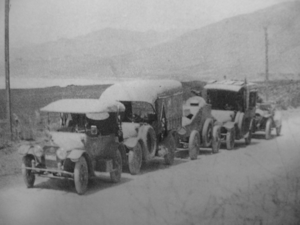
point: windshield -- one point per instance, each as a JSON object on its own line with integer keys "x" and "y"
{"x": 226, "y": 100}
{"x": 137, "y": 112}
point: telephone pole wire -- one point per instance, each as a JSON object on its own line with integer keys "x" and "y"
{"x": 7, "y": 78}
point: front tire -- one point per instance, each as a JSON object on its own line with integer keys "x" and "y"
{"x": 216, "y": 141}
{"x": 135, "y": 159}
{"x": 194, "y": 143}
{"x": 268, "y": 129}
{"x": 230, "y": 139}
{"x": 115, "y": 176}
{"x": 28, "y": 175}
{"x": 81, "y": 176}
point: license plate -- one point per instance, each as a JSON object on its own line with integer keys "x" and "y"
{"x": 50, "y": 157}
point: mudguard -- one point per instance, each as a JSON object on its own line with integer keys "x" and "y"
{"x": 229, "y": 125}
{"x": 25, "y": 149}
{"x": 75, "y": 154}
{"x": 131, "y": 142}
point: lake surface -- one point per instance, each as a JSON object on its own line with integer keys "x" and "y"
{"x": 25, "y": 83}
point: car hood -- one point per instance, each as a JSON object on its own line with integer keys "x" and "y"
{"x": 67, "y": 140}
{"x": 223, "y": 116}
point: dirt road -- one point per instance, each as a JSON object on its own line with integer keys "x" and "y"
{"x": 257, "y": 184}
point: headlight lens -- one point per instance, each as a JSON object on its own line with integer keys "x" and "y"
{"x": 38, "y": 151}
{"x": 61, "y": 153}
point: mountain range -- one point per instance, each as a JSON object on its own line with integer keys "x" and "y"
{"x": 234, "y": 47}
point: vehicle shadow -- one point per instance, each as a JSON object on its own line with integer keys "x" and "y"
{"x": 240, "y": 144}
{"x": 261, "y": 136}
{"x": 98, "y": 183}
{"x": 156, "y": 164}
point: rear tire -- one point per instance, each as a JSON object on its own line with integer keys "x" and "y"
{"x": 268, "y": 129}
{"x": 28, "y": 176}
{"x": 230, "y": 139}
{"x": 207, "y": 131}
{"x": 248, "y": 138}
{"x": 135, "y": 159}
{"x": 81, "y": 176}
{"x": 171, "y": 144}
{"x": 194, "y": 144}
{"x": 115, "y": 176}
{"x": 278, "y": 130}
{"x": 216, "y": 141}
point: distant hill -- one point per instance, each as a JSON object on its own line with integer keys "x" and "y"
{"x": 83, "y": 55}
{"x": 234, "y": 47}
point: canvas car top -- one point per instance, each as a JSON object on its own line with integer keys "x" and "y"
{"x": 229, "y": 85}
{"x": 83, "y": 106}
{"x": 141, "y": 90}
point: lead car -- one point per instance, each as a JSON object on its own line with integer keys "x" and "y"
{"x": 84, "y": 138}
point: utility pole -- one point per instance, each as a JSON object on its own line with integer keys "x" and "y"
{"x": 267, "y": 61}
{"x": 7, "y": 78}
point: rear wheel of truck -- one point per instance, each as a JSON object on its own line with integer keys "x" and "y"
{"x": 28, "y": 175}
{"x": 115, "y": 176}
{"x": 230, "y": 139}
{"x": 216, "y": 139}
{"x": 135, "y": 159}
{"x": 268, "y": 129}
{"x": 194, "y": 144}
{"x": 171, "y": 145}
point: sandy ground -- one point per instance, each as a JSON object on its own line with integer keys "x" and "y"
{"x": 257, "y": 184}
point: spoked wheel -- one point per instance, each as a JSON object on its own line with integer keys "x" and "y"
{"x": 268, "y": 129}
{"x": 28, "y": 175}
{"x": 207, "y": 131}
{"x": 135, "y": 159}
{"x": 216, "y": 139}
{"x": 230, "y": 139}
{"x": 81, "y": 176}
{"x": 194, "y": 144}
{"x": 248, "y": 137}
{"x": 169, "y": 157}
{"x": 278, "y": 130}
{"x": 115, "y": 176}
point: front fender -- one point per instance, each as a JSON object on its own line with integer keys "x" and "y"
{"x": 131, "y": 142}
{"x": 229, "y": 125}
{"x": 75, "y": 154}
{"x": 25, "y": 149}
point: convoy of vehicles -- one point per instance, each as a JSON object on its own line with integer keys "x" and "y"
{"x": 136, "y": 121}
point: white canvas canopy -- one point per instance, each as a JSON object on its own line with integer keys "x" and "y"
{"x": 228, "y": 85}
{"x": 83, "y": 106}
{"x": 141, "y": 90}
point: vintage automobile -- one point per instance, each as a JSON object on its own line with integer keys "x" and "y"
{"x": 152, "y": 117}
{"x": 83, "y": 137}
{"x": 233, "y": 106}
{"x": 266, "y": 119}
{"x": 199, "y": 128}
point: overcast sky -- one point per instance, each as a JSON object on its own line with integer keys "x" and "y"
{"x": 36, "y": 21}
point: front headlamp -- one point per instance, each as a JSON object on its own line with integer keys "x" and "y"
{"x": 61, "y": 153}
